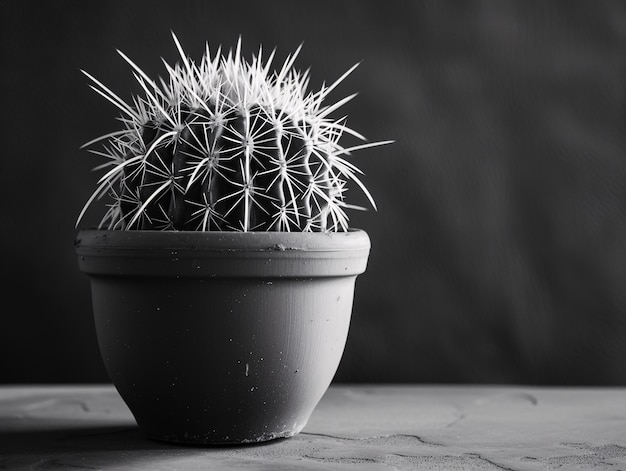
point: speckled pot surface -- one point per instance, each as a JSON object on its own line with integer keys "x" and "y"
{"x": 223, "y": 337}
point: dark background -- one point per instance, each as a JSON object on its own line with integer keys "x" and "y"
{"x": 499, "y": 247}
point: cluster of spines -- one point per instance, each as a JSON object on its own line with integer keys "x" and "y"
{"x": 227, "y": 145}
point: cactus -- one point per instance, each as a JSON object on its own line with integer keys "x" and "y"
{"x": 226, "y": 145}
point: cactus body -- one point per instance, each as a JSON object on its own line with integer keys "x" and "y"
{"x": 230, "y": 175}
{"x": 225, "y": 145}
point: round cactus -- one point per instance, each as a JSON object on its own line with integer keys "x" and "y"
{"x": 227, "y": 145}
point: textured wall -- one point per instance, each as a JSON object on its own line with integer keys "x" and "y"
{"x": 499, "y": 247}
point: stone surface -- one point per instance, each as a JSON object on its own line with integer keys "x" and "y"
{"x": 353, "y": 428}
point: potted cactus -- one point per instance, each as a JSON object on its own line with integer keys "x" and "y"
{"x": 223, "y": 270}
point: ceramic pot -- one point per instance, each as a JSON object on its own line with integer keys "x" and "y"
{"x": 221, "y": 337}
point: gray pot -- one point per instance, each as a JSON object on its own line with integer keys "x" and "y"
{"x": 221, "y": 337}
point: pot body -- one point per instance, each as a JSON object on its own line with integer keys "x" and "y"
{"x": 221, "y": 338}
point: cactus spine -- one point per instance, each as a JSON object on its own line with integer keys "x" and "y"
{"x": 227, "y": 145}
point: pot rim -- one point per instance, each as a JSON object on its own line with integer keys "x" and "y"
{"x": 222, "y": 254}
{"x": 353, "y": 239}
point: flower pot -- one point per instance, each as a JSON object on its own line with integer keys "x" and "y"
{"x": 221, "y": 337}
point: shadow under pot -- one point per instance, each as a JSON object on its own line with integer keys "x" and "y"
{"x": 221, "y": 337}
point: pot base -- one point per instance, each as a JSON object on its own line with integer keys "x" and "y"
{"x": 210, "y": 440}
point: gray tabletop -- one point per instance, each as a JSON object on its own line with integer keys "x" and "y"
{"x": 354, "y": 427}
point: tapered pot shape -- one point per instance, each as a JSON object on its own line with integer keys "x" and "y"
{"x": 221, "y": 337}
